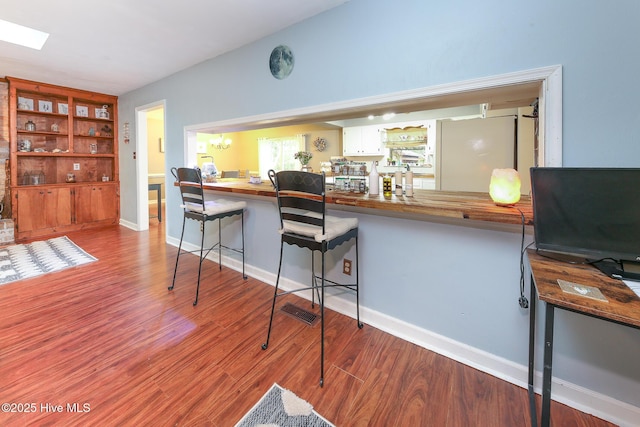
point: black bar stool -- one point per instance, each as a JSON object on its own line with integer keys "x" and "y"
{"x": 197, "y": 208}
{"x": 304, "y": 223}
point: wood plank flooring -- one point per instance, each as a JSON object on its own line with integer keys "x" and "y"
{"x": 111, "y": 339}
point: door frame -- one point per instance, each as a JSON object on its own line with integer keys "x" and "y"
{"x": 142, "y": 155}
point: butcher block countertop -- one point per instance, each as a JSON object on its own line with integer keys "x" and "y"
{"x": 461, "y": 205}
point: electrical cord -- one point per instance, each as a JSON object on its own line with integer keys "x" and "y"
{"x": 523, "y": 301}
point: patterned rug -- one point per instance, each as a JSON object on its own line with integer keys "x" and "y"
{"x": 19, "y": 262}
{"x": 280, "y": 407}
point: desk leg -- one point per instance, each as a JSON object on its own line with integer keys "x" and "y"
{"x": 159, "y": 203}
{"x": 158, "y": 190}
{"x": 548, "y": 361}
{"x": 532, "y": 346}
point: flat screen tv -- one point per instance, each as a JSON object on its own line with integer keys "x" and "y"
{"x": 593, "y": 213}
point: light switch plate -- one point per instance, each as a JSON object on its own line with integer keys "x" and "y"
{"x": 76, "y": 166}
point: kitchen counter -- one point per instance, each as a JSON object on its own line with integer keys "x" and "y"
{"x": 474, "y": 206}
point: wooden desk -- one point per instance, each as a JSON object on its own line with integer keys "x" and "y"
{"x": 622, "y": 307}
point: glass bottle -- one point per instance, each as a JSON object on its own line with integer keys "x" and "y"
{"x": 398, "y": 183}
{"x": 386, "y": 186}
{"x": 374, "y": 180}
{"x": 408, "y": 183}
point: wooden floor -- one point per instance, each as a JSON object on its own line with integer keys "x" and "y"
{"x": 112, "y": 339}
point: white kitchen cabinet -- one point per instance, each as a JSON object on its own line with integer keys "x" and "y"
{"x": 427, "y": 183}
{"x": 361, "y": 141}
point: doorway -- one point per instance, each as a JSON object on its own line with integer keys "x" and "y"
{"x": 150, "y": 121}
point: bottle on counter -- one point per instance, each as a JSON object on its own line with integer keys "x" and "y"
{"x": 386, "y": 186}
{"x": 398, "y": 183}
{"x": 408, "y": 183}
{"x": 374, "y": 180}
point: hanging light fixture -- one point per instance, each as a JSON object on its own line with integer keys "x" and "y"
{"x": 220, "y": 142}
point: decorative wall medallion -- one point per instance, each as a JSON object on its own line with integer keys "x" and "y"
{"x": 320, "y": 144}
{"x": 281, "y": 62}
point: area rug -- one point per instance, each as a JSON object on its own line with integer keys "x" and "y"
{"x": 280, "y": 407}
{"x": 23, "y": 261}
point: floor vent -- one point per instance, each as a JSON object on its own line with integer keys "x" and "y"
{"x": 300, "y": 313}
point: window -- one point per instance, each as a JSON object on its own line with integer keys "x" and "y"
{"x": 277, "y": 153}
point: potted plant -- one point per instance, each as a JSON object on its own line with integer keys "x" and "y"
{"x": 304, "y": 157}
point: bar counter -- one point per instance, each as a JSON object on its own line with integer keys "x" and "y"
{"x": 461, "y": 205}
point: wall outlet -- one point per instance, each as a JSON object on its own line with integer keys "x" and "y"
{"x": 346, "y": 267}
{"x": 76, "y": 166}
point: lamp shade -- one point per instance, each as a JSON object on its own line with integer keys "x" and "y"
{"x": 504, "y": 188}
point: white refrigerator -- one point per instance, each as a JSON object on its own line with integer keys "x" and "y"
{"x": 467, "y": 151}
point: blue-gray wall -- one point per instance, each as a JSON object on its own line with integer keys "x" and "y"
{"x": 456, "y": 280}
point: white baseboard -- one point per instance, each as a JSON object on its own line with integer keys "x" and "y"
{"x": 131, "y": 225}
{"x": 580, "y": 398}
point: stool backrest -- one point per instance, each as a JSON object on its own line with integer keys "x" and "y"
{"x": 301, "y": 196}
{"x": 190, "y": 182}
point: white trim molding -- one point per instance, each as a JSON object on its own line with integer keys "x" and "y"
{"x": 549, "y": 105}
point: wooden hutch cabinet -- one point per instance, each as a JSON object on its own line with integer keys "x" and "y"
{"x": 64, "y": 159}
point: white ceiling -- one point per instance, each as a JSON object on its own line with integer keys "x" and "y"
{"x": 115, "y": 46}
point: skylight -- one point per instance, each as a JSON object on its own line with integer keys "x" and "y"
{"x": 21, "y": 35}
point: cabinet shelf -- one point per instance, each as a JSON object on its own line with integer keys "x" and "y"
{"x": 93, "y": 136}
{"x": 44, "y": 133}
{"x": 47, "y": 154}
{"x": 410, "y": 136}
{"x": 42, "y": 113}
{"x": 67, "y": 184}
{"x": 92, "y": 119}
